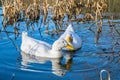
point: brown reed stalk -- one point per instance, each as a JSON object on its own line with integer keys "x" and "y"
{"x": 45, "y": 8}
{"x": 31, "y": 10}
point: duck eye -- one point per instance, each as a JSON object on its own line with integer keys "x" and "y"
{"x": 63, "y": 42}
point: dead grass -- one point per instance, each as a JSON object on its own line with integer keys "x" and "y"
{"x": 30, "y": 11}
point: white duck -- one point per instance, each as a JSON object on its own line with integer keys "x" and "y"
{"x": 71, "y": 37}
{"x": 41, "y": 48}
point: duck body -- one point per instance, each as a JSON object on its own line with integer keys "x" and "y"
{"x": 76, "y": 41}
{"x": 41, "y": 48}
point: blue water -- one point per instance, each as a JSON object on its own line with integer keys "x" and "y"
{"x": 83, "y": 64}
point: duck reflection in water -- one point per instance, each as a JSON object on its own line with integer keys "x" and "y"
{"x": 59, "y": 66}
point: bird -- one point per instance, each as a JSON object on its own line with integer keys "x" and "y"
{"x": 71, "y": 37}
{"x": 41, "y": 48}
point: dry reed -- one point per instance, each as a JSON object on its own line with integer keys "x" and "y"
{"x": 31, "y": 10}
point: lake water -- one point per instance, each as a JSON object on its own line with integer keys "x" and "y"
{"x": 83, "y": 64}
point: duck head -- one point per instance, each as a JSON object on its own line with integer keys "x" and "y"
{"x": 61, "y": 43}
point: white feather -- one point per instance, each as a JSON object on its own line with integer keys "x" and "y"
{"x": 77, "y": 42}
{"x": 41, "y": 48}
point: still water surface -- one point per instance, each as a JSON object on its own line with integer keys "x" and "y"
{"x": 84, "y": 64}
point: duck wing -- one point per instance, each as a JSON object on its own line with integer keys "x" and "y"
{"x": 77, "y": 42}
{"x": 31, "y": 45}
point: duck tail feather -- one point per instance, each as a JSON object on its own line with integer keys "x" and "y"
{"x": 70, "y": 28}
{"x": 24, "y": 33}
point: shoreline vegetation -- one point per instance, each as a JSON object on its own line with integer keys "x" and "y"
{"x": 40, "y": 13}
{"x": 113, "y": 5}
{"x": 61, "y": 12}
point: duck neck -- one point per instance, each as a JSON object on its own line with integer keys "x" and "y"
{"x": 56, "y": 48}
{"x": 56, "y": 52}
